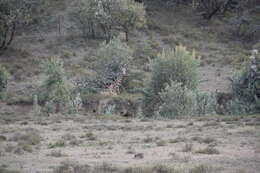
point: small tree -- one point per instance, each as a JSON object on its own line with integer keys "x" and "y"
{"x": 111, "y": 57}
{"x": 13, "y": 12}
{"x": 106, "y": 17}
{"x": 129, "y": 15}
{"x": 177, "y": 65}
{"x": 58, "y": 91}
{"x": 86, "y": 17}
{"x": 95, "y": 17}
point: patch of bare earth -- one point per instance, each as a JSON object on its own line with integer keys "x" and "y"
{"x": 39, "y": 144}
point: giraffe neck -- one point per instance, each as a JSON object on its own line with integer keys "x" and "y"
{"x": 114, "y": 87}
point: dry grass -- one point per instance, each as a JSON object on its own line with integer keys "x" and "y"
{"x": 59, "y": 143}
{"x": 208, "y": 150}
{"x": 178, "y": 139}
{"x": 4, "y": 170}
{"x": 129, "y": 144}
{"x": 31, "y": 138}
{"x": 56, "y": 153}
{"x": 161, "y": 143}
{"x": 90, "y": 136}
{"x": 105, "y": 168}
{"x": 188, "y": 147}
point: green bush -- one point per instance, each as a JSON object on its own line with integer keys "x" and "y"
{"x": 174, "y": 65}
{"x": 245, "y": 96}
{"x": 204, "y": 103}
{"x": 111, "y": 58}
{"x": 176, "y": 100}
{"x": 3, "y": 81}
{"x": 58, "y": 92}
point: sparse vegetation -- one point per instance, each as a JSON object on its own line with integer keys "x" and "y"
{"x": 188, "y": 147}
{"x": 177, "y": 66}
{"x": 208, "y": 150}
{"x": 4, "y": 170}
{"x": 132, "y": 90}
{"x": 59, "y": 143}
{"x": 58, "y": 90}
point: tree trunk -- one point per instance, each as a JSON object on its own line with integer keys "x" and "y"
{"x": 126, "y": 35}
{"x": 57, "y": 108}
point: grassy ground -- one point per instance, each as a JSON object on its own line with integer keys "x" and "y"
{"x": 218, "y": 143}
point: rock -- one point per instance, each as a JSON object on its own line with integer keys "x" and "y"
{"x": 139, "y": 156}
{"x": 2, "y": 138}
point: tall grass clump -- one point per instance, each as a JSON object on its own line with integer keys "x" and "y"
{"x": 172, "y": 90}
{"x": 3, "y": 81}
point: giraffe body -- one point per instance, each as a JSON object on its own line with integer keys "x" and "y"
{"x": 113, "y": 89}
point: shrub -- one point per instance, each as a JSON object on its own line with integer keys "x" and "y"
{"x": 178, "y": 66}
{"x": 246, "y": 88}
{"x": 176, "y": 100}
{"x": 58, "y": 91}
{"x": 3, "y": 81}
{"x": 205, "y": 103}
{"x": 111, "y": 58}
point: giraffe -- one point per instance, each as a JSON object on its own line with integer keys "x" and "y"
{"x": 114, "y": 87}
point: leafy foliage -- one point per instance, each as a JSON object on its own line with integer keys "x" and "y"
{"x": 178, "y": 65}
{"x": 246, "y": 99}
{"x": 176, "y": 100}
{"x": 13, "y": 12}
{"x": 58, "y": 91}
{"x": 246, "y": 88}
{"x": 129, "y": 15}
{"x": 111, "y": 57}
{"x": 205, "y": 103}
{"x": 92, "y": 15}
{"x": 104, "y": 17}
